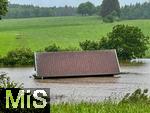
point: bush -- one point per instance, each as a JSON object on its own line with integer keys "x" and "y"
{"x": 6, "y": 83}
{"x": 71, "y": 49}
{"x": 129, "y": 42}
{"x": 23, "y": 56}
{"x": 108, "y": 19}
{"x": 1, "y": 59}
{"x": 138, "y": 96}
{"x": 52, "y": 48}
{"x": 55, "y": 48}
{"x": 89, "y": 45}
{"x": 111, "y": 17}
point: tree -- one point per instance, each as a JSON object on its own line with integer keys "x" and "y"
{"x": 109, "y": 6}
{"x": 129, "y": 42}
{"x": 86, "y": 9}
{"x": 3, "y": 7}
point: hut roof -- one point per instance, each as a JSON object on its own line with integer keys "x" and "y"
{"x": 63, "y": 64}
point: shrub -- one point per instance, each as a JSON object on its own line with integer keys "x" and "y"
{"x": 23, "y": 56}
{"x": 136, "y": 97}
{"x": 89, "y": 45}
{"x": 55, "y": 48}
{"x": 1, "y": 59}
{"x": 71, "y": 49}
{"x": 6, "y": 83}
{"x": 111, "y": 17}
{"x": 52, "y": 48}
{"x": 108, "y": 19}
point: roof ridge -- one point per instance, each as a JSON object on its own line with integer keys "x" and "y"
{"x": 111, "y": 50}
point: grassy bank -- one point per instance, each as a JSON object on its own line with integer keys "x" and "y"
{"x": 137, "y": 102}
{"x": 37, "y": 33}
{"x": 102, "y": 107}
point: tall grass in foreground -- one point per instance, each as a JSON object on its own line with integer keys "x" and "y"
{"x": 137, "y": 102}
{"x": 101, "y": 108}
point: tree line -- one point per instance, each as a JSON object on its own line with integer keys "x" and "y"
{"x": 109, "y": 9}
{"x": 28, "y": 11}
{"x": 137, "y": 11}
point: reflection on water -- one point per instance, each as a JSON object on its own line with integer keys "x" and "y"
{"x": 90, "y": 88}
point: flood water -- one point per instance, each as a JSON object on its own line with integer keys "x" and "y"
{"x": 90, "y": 88}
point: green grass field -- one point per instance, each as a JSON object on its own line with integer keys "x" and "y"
{"x": 37, "y": 33}
{"x": 137, "y": 102}
{"x": 100, "y": 107}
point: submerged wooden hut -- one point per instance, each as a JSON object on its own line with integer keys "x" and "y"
{"x": 76, "y": 64}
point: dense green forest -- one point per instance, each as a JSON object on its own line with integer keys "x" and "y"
{"x": 27, "y": 11}
{"x": 137, "y": 11}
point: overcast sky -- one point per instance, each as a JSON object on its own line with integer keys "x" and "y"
{"x": 49, "y": 3}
